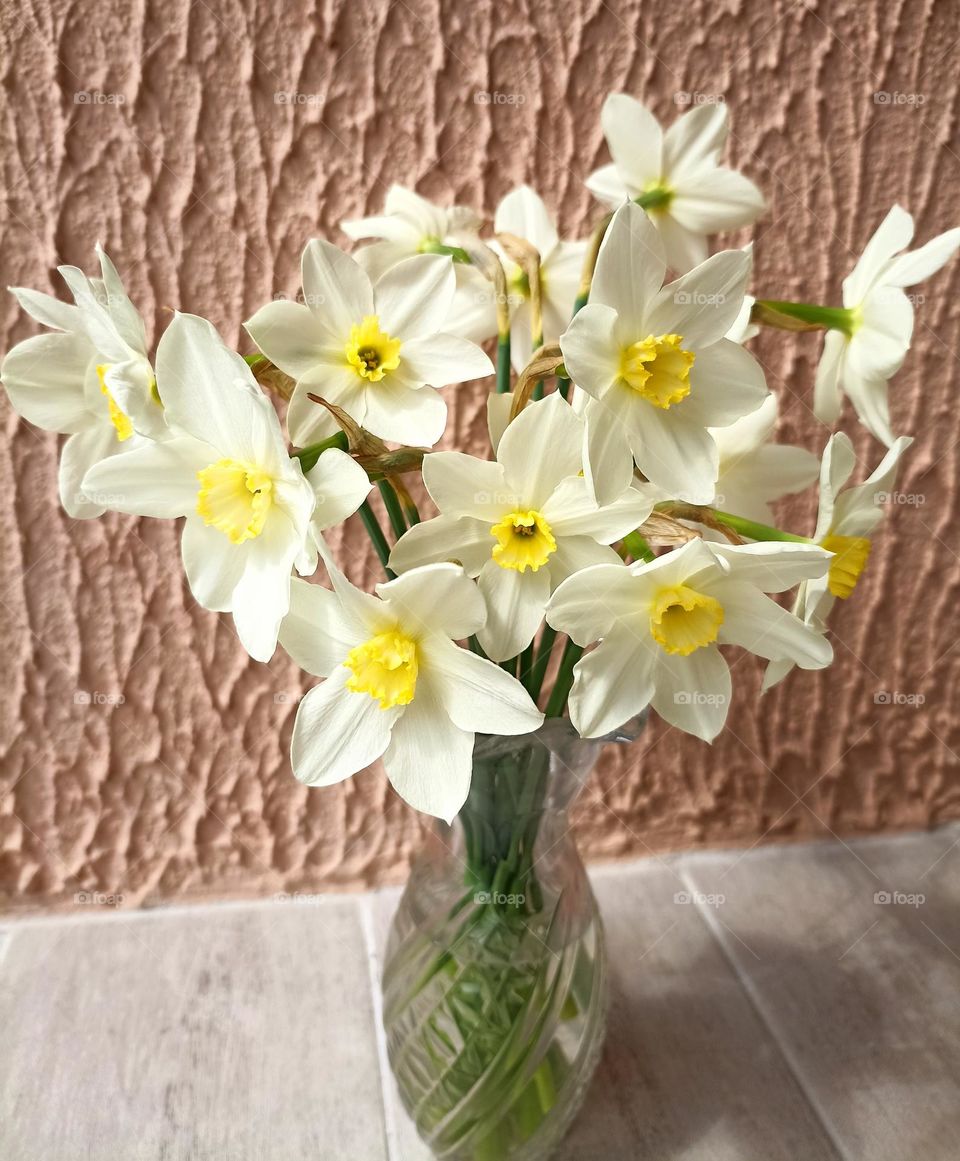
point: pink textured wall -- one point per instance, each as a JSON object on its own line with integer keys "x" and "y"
{"x": 203, "y": 187}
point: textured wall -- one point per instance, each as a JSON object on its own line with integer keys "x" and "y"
{"x": 155, "y": 128}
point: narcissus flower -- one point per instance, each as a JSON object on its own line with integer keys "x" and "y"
{"x": 754, "y": 472}
{"x": 375, "y": 350}
{"x": 248, "y": 505}
{"x": 397, "y": 686}
{"x": 677, "y": 174}
{"x": 656, "y": 364}
{"x": 660, "y": 624}
{"x": 412, "y": 225}
{"x": 845, "y": 523}
{"x": 91, "y": 379}
{"x": 521, "y": 523}
{"x": 523, "y": 214}
{"x": 869, "y": 345}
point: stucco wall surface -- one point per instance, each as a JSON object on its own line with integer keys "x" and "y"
{"x": 202, "y": 143}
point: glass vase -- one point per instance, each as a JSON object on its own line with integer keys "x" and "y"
{"x": 494, "y": 983}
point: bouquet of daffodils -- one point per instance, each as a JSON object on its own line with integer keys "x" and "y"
{"x": 615, "y": 540}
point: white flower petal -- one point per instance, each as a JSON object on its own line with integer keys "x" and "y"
{"x": 591, "y": 353}
{"x": 339, "y": 485}
{"x": 515, "y": 605}
{"x": 684, "y": 249}
{"x": 414, "y": 298}
{"x": 921, "y": 263}
{"x": 634, "y": 137}
{"x": 315, "y": 632}
{"x": 292, "y": 337}
{"x": 94, "y": 445}
{"x": 461, "y": 485}
{"x": 773, "y": 566}
{"x": 892, "y": 235}
{"x": 401, "y": 414}
{"x": 611, "y": 684}
{"x": 541, "y": 447}
{"x": 523, "y": 213}
{"x": 703, "y": 304}
{"x": 478, "y": 695}
{"x": 726, "y": 383}
{"x": 155, "y": 479}
{"x": 445, "y": 538}
{"x": 335, "y": 287}
{"x": 572, "y": 511}
{"x": 337, "y": 732}
{"x": 435, "y": 598}
{"x": 125, "y": 316}
{"x": 499, "y": 406}
{"x": 693, "y": 142}
{"x": 630, "y": 267}
{"x": 44, "y": 377}
{"x": 827, "y": 397}
{"x": 575, "y": 553}
{"x": 871, "y": 403}
{"x": 261, "y": 598}
{"x": 677, "y": 455}
{"x": 693, "y": 693}
{"x": 440, "y": 359}
{"x": 717, "y": 199}
{"x": 758, "y": 624}
{"x": 430, "y": 760}
{"x": 608, "y": 456}
{"x": 608, "y": 185}
{"x": 46, "y": 309}
{"x": 213, "y": 565}
{"x": 588, "y": 604}
{"x": 309, "y": 422}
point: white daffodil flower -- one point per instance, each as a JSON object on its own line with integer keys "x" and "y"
{"x": 845, "y": 523}
{"x": 862, "y": 355}
{"x": 656, "y": 364}
{"x": 91, "y": 380}
{"x": 754, "y": 472}
{"x": 374, "y": 349}
{"x": 411, "y": 225}
{"x": 248, "y": 505}
{"x": 521, "y": 523}
{"x": 523, "y": 214}
{"x": 687, "y": 194}
{"x": 397, "y": 687}
{"x": 660, "y": 624}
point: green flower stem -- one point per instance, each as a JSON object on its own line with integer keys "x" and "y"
{"x": 309, "y": 455}
{"x": 638, "y": 548}
{"x": 785, "y": 315}
{"x": 377, "y": 538}
{"x": 503, "y": 364}
{"x": 392, "y": 504}
{"x": 547, "y": 638}
{"x": 749, "y": 528}
{"x": 561, "y": 687}
{"x": 435, "y": 246}
{"x": 656, "y": 198}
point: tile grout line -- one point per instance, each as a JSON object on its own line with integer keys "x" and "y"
{"x": 756, "y": 1003}
{"x": 365, "y": 907}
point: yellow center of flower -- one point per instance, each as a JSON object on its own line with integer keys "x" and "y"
{"x": 120, "y": 420}
{"x": 658, "y": 368}
{"x": 385, "y": 667}
{"x": 848, "y": 563}
{"x": 235, "y": 498}
{"x": 524, "y": 540}
{"x": 371, "y": 351}
{"x": 682, "y": 620}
